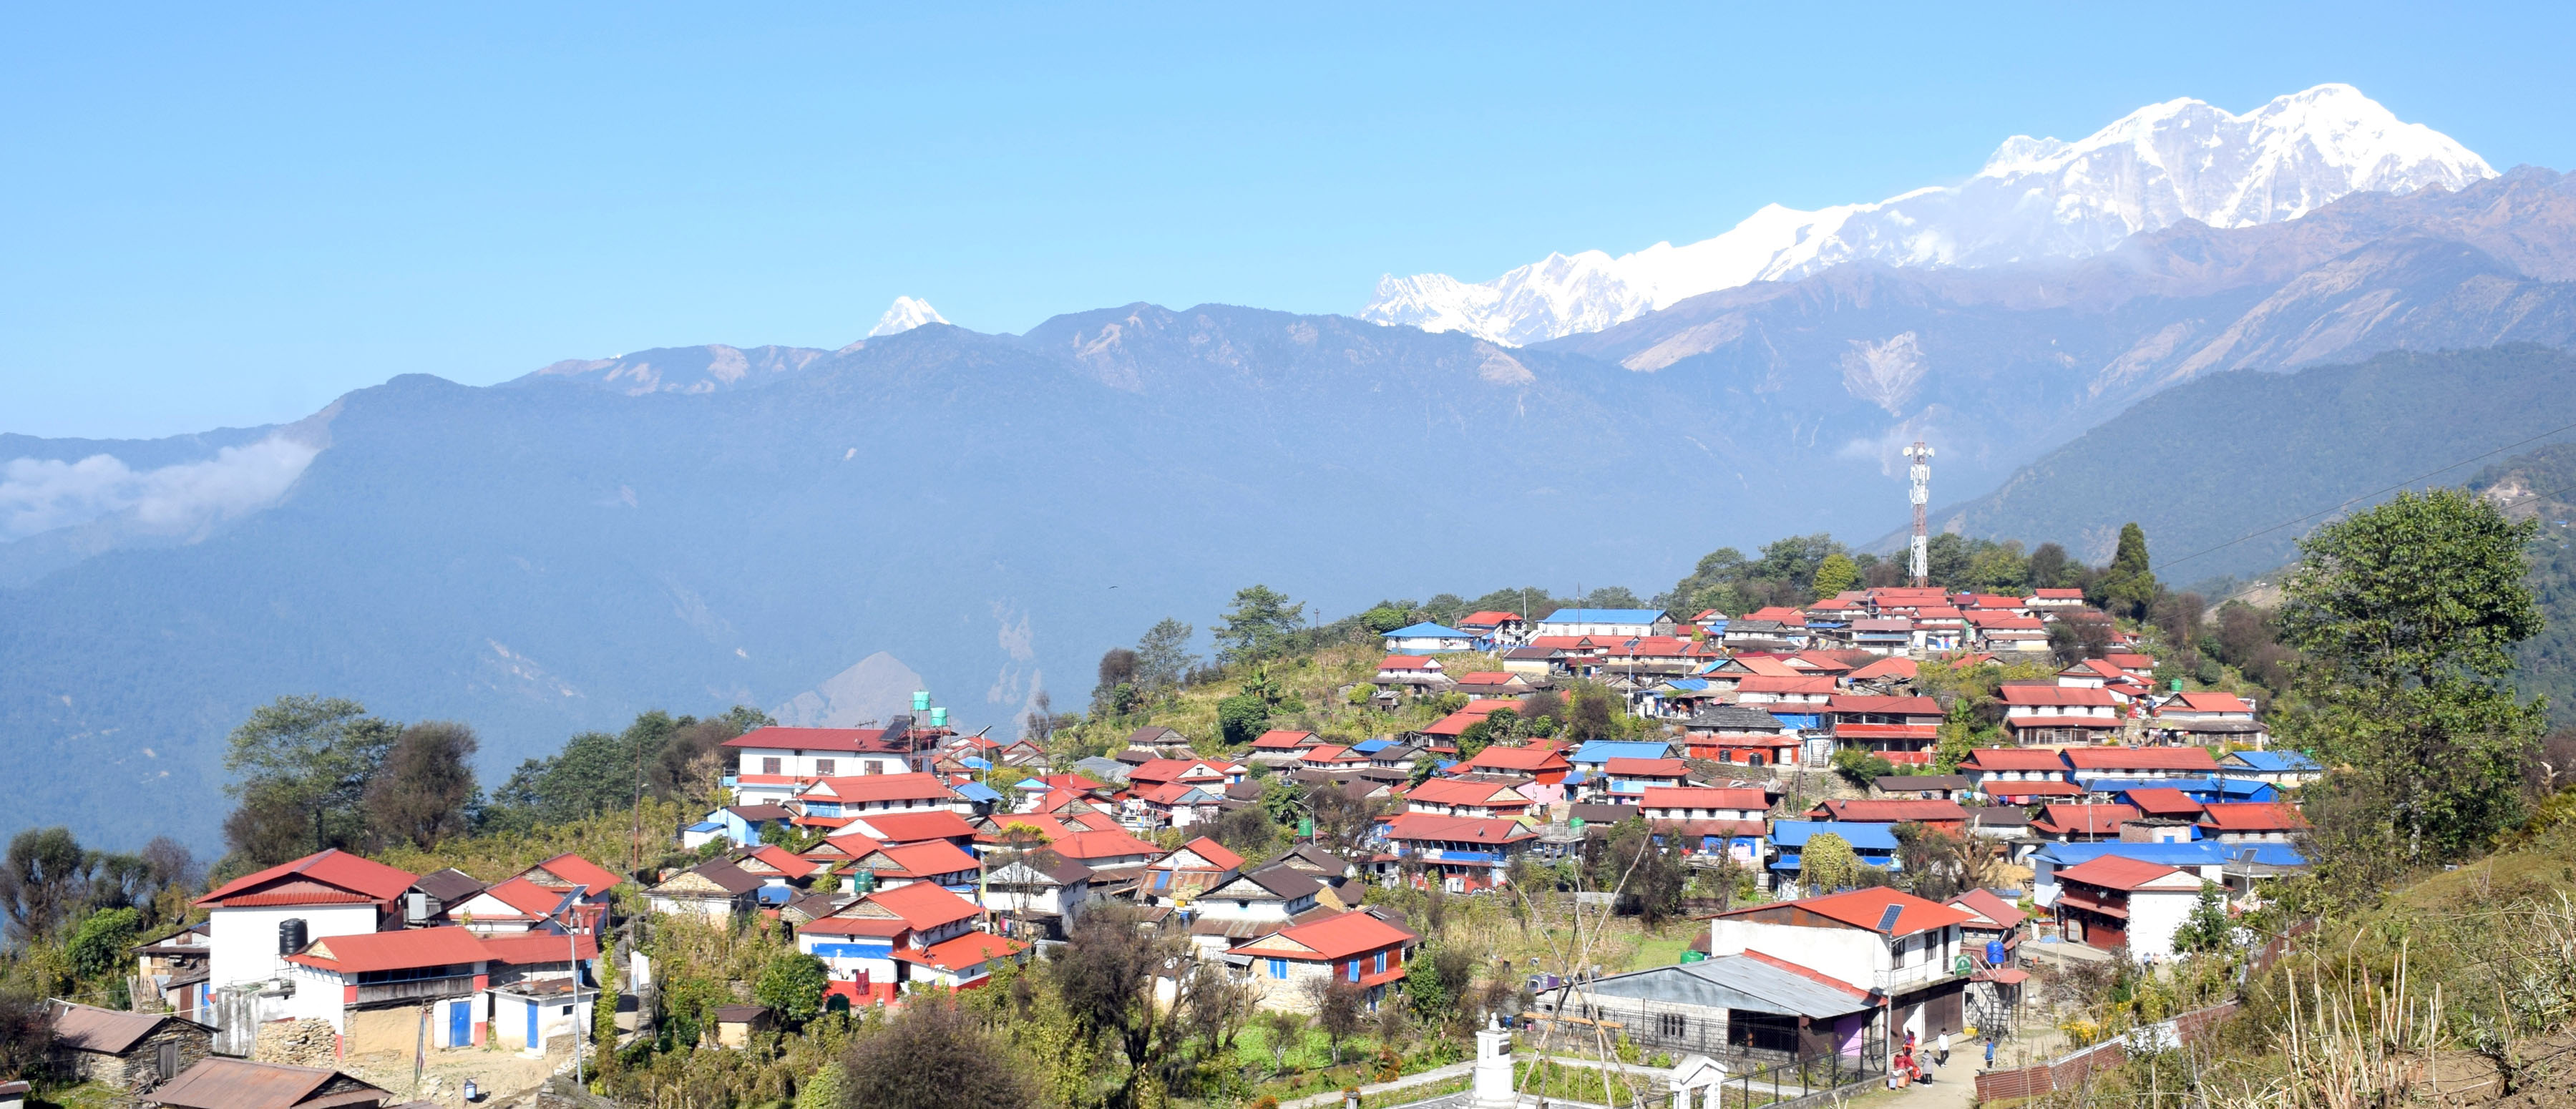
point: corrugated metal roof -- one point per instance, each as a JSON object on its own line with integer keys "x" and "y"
{"x": 1732, "y": 982}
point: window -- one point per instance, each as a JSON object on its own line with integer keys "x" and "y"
{"x": 1672, "y": 1026}
{"x": 1381, "y": 962}
{"x": 769, "y": 766}
{"x": 1355, "y": 970}
{"x": 823, "y": 767}
{"x": 1279, "y": 968}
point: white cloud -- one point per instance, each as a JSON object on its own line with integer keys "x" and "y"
{"x": 38, "y": 495}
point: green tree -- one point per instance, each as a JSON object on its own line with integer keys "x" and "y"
{"x": 2128, "y": 587}
{"x": 1593, "y": 715}
{"x": 300, "y": 767}
{"x": 2407, "y": 616}
{"x": 1945, "y": 560}
{"x": 1958, "y": 737}
{"x": 420, "y": 795}
{"x": 43, "y": 882}
{"x": 1835, "y": 574}
{"x": 933, "y": 1056}
{"x": 829, "y": 1088}
{"x": 1260, "y": 625}
{"x": 98, "y": 947}
{"x": 792, "y": 985}
{"x": 1240, "y": 719}
{"x": 1828, "y": 863}
{"x": 2207, "y": 928}
{"x": 1163, "y": 657}
{"x": 1999, "y": 568}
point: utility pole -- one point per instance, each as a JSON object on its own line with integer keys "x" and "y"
{"x": 1920, "y": 473}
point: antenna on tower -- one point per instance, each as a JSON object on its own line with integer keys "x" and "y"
{"x": 1921, "y": 474}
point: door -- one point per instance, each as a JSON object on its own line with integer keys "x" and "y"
{"x": 532, "y": 1025}
{"x": 460, "y": 1024}
{"x": 166, "y": 1067}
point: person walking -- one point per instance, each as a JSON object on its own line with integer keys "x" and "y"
{"x": 1941, "y": 1051}
{"x": 1990, "y": 1053}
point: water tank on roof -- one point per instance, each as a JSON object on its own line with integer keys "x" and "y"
{"x": 939, "y": 718}
{"x": 290, "y": 935}
{"x": 921, "y": 700}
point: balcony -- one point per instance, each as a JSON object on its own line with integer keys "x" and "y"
{"x": 1900, "y": 979}
{"x": 416, "y": 989}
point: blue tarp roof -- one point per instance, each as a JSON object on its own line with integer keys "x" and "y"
{"x": 2203, "y": 852}
{"x": 1605, "y": 616}
{"x": 1692, "y": 685}
{"x": 1793, "y": 834}
{"x": 2275, "y": 760}
{"x": 1372, "y": 746}
{"x": 977, "y": 792}
{"x": 706, "y": 826}
{"x": 2241, "y": 789}
{"x": 775, "y": 895}
{"x": 1427, "y": 630}
{"x": 1603, "y": 750}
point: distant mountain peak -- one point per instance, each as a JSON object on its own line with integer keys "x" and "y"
{"x": 907, "y": 313}
{"x": 2155, "y": 167}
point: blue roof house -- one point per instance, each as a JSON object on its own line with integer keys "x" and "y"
{"x": 1427, "y": 638}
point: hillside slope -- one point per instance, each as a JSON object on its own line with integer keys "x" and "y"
{"x": 2210, "y": 462}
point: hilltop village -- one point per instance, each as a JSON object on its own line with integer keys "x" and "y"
{"x": 1796, "y": 795}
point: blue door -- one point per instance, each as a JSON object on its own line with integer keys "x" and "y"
{"x": 532, "y": 1025}
{"x": 460, "y": 1024}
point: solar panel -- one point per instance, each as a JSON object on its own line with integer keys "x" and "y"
{"x": 1887, "y": 919}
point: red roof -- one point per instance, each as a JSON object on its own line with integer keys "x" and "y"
{"x": 2057, "y": 594}
{"x": 2013, "y": 758}
{"x": 921, "y": 906}
{"x": 1452, "y": 791}
{"x": 2164, "y": 801}
{"x": 852, "y": 740}
{"x": 1488, "y": 618}
{"x": 1086, "y": 846}
{"x": 1895, "y": 706}
{"x": 2214, "y": 701}
{"x": 1647, "y": 768}
{"x": 1765, "y": 683}
{"x": 1486, "y": 677}
{"x": 1283, "y": 739}
{"x": 575, "y": 871}
{"x": 882, "y": 787}
{"x": 966, "y": 952}
{"x": 1518, "y": 760}
{"x": 2060, "y": 696}
{"x": 2090, "y": 820}
{"x": 1862, "y": 908}
{"x": 403, "y": 950}
{"x": 1403, "y": 662}
{"x": 1217, "y": 854}
{"x": 1895, "y": 811}
{"x": 2252, "y": 816}
{"x": 1331, "y": 939}
{"x": 929, "y": 859}
{"x": 919, "y": 825}
{"x": 1984, "y": 903}
{"x": 2115, "y": 872}
{"x": 1701, "y": 797}
{"x": 1885, "y": 668}
{"x": 529, "y": 898}
{"x": 1456, "y": 829}
{"x": 538, "y": 947}
{"x": 1173, "y": 770}
{"x": 328, "y": 877}
{"x": 2141, "y": 758}
{"x": 788, "y": 862}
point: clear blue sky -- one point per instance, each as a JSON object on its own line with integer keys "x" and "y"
{"x": 225, "y": 219}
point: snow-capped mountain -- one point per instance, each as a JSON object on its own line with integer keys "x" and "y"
{"x": 906, "y": 314}
{"x": 2034, "y": 199}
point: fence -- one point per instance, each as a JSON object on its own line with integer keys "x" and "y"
{"x": 2069, "y": 1071}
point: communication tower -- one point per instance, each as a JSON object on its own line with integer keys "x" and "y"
{"x": 1921, "y": 475}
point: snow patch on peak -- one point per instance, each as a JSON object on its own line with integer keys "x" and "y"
{"x": 2035, "y": 198}
{"x": 906, "y": 314}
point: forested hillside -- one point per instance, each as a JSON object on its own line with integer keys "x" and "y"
{"x": 2227, "y": 456}
{"x": 2542, "y": 485}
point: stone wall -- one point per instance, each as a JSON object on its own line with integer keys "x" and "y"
{"x": 300, "y": 1043}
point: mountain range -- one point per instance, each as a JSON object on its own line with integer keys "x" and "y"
{"x": 819, "y": 531}
{"x": 2033, "y": 200}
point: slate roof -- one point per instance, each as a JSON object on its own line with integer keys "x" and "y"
{"x": 1747, "y": 981}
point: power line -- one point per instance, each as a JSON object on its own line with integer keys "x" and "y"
{"x": 2166, "y": 563}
